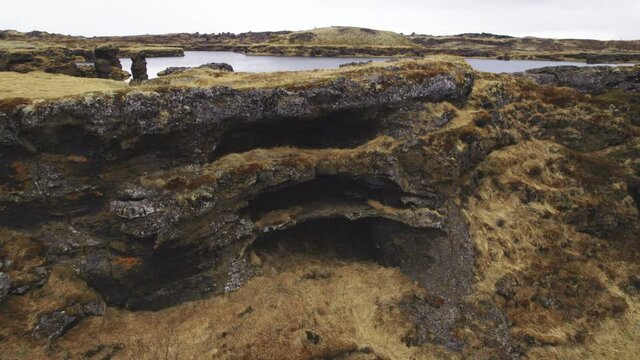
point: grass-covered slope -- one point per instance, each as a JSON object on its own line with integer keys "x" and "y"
{"x": 40, "y": 85}
{"x": 345, "y": 36}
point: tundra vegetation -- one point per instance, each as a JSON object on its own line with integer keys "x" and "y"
{"x": 410, "y": 209}
{"x": 57, "y": 53}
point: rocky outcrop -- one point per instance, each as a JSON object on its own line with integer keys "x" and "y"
{"x": 107, "y": 64}
{"x": 592, "y": 80}
{"x": 139, "y": 67}
{"x": 213, "y": 66}
{"x": 200, "y": 194}
{"x": 152, "y": 51}
{"x": 52, "y": 60}
{"x": 53, "y": 325}
{"x": 355, "y": 63}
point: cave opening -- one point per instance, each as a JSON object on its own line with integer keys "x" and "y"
{"x": 329, "y": 190}
{"x": 64, "y": 139}
{"x": 335, "y": 238}
{"x": 342, "y": 129}
{"x": 386, "y": 242}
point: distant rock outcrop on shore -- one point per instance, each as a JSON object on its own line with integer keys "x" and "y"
{"x": 107, "y": 64}
{"x": 591, "y": 80}
{"x": 213, "y": 66}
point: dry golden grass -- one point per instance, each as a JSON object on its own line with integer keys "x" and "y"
{"x": 613, "y": 338}
{"x": 350, "y": 307}
{"x": 519, "y": 231}
{"x": 40, "y": 85}
{"x": 19, "y": 314}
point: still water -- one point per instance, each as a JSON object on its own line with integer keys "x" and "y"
{"x": 510, "y": 66}
{"x": 242, "y": 62}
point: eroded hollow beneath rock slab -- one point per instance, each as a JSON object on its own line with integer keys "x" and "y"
{"x": 62, "y": 139}
{"x": 329, "y": 189}
{"x": 343, "y": 129}
{"x": 369, "y": 239}
{"x": 441, "y": 262}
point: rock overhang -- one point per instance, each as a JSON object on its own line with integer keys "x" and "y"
{"x": 128, "y": 189}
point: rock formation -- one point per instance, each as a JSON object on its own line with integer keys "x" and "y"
{"x": 213, "y": 66}
{"x": 497, "y": 218}
{"x": 107, "y": 64}
{"x": 591, "y": 80}
{"x": 139, "y": 67}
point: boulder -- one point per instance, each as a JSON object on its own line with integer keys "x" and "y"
{"x": 53, "y": 325}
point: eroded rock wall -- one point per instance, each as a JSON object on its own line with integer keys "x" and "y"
{"x": 158, "y": 197}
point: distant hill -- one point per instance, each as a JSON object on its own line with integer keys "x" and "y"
{"x": 344, "y": 36}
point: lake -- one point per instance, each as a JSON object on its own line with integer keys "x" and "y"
{"x": 511, "y": 66}
{"x": 254, "y": 63}
{"x": 245, "y": 63}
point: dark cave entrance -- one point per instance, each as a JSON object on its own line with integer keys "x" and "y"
{"x": 328, "y": 189}
{"x": 634, "y": 191}
{"x": 344, "y": 129}
{"x": 331, "y": 217}
{"x": 324, "y": 227}
{"x": 386, "y": 242}
{"x": 64, "y": 140}
{"x": 335, "y": 238}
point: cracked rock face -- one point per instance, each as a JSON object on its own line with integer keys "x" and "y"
{"x": 160, "y": 197}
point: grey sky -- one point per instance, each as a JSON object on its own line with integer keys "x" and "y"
{"x": 613, "y": 19}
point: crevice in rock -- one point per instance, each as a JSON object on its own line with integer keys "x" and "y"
{"x": 343, "y": 129}
{"x": 368, "y": 239}
{"x": 35, "y": 213}
{"x": 339, "y": 238}
{"x": 63, "y": 139}
{"x": 329, "y": 189}
{"x": 634, "y": 190}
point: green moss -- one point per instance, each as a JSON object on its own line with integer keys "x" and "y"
{"x": 621, "y": 99}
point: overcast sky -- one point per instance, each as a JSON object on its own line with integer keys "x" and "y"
{"x": 613, "y": 19}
